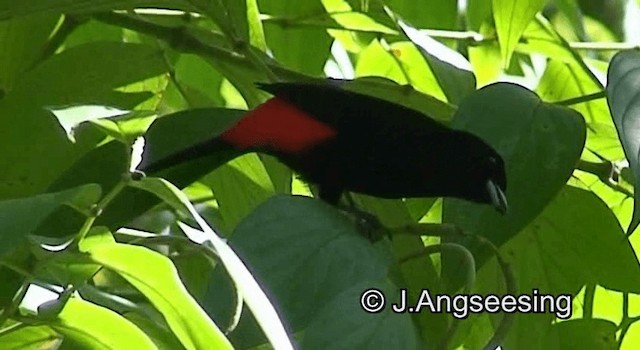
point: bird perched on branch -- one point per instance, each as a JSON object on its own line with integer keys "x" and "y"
{"x": 346, "y": 141}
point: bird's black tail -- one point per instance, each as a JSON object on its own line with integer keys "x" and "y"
{"x": 189, "y": 164}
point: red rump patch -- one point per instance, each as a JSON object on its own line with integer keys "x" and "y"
{"x": 280, "y": 126}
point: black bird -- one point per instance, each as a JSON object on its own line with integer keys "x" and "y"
{"x": 347, "y": 141}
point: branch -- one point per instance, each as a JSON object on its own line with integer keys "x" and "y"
{"x": 180, "y": 39}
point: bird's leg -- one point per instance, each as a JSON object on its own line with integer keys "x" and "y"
{"x": 368, "y": 224}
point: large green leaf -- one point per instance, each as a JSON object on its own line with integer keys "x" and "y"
{"x": 623, "y": 89}
{"x": 511, "y": 18}
{"x": 540, "y": 144}
{"x": 593, "y": 334}
{"x": 25, "y": 38}
{"x": 105, "y": 67}
{"x": 580, "y": 239}
{"x": 20, "y": 217}
{"x": 31, "y": 337}
{"x": 342, "y": 323}
{"x": 246, "y": 284}
{"x": 30, "y": 134}
{"x": 575, "y": 241}
{"x": 302, "y": 249}
{"x": 89, "y": 326}
{"x": 155, "y": 277}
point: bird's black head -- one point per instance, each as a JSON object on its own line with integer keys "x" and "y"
{"x": 481, "y": 171}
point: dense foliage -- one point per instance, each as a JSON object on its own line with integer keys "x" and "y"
{"x": 93, "y": 256}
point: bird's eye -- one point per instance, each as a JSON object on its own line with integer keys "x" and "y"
{"x": 493, "y": 160}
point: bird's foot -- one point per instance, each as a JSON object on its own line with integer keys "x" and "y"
{"x": 368, "y": 224}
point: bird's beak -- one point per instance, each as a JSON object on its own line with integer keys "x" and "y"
{"x": 498, "y": 198}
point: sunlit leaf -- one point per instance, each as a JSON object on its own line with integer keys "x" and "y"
{"x": 155, "y": 277}
{"x": 90, "y": 326}
{"x": 511, "y": 18}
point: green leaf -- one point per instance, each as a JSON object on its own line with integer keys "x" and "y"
{"x": 25, "y": 39}
{"x": 20, "y": 217}
{"x": 239, "y": 20}
{"x": 432, "y": 14}
{"x": 343, "y": 14}
{"x": 30, "y": 337}
{"x": 622, "y": 95}
{"x": 254, "y": 24}
{"x": 342, "y": 323}
{"x": 86, "y": 74}
{"x": 485, "y": 59}
{"x": 416, "y": 273}
{"x": 578, "y": 240}
{"x": 239, "y": 186}
{"x": 541, "y": 37}
{"x": 103, "y": 165}
{"x": 90, "y": 326}
{"x": 511, "y": 18}
{"x": 562, "y": 81}
{"x": 571, "y": 9}
{"x": 157, "y": 279}
{"x": 299, "y": 248}
{"x": 126, "y": 128}
{"x": 375, "y": 60}
{"x": 451, "y": 70}
{"x": 593, "y": 334}
{"x": 200, "y": 85}
{"x": 478, "y": 12}
{"x": 289, "y": 43}
{"x": 536, "y": 140}
{"x": 10, "y": 8}
{"x": 402, "y": 63}
{"x": 105, "y": 67}
{"x": 165, "y": 191}
{"x": 161, "y": 336}
{"x": 247, "y": 286}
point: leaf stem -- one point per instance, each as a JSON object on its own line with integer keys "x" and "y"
{"x": 451, "y": 230}
{"x": 581, "y": 99}
{"x": 589, "y": 294}
{"x": 470, "y": 279}
{"x": 97, "y": 209}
